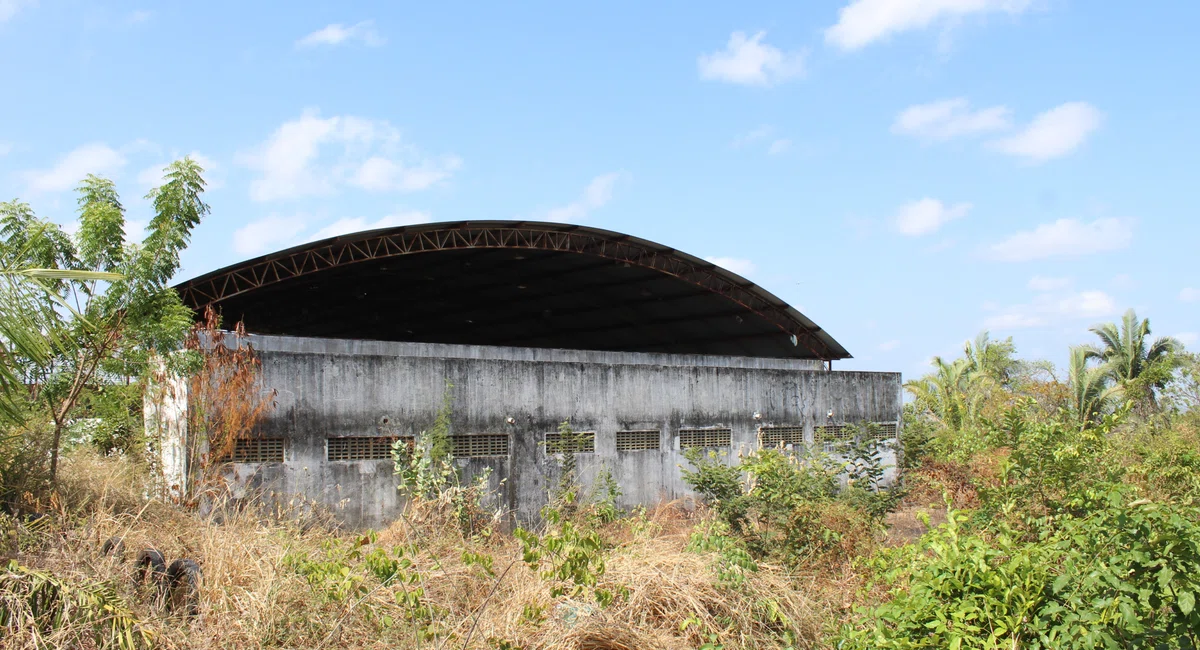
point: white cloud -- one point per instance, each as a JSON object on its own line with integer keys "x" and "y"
{"x": 779, "y": 146}
{"x": 863, "y": 22}
{"x": 380, "y": 174}
{"x": 1053, "y": 133}
{"x": 751, "y": 137}
{"x": 1188, "y": 294}
{"x": 740, "y": 266}
{"x": 9, "y": 8}
{"x": 1044, "y": 284}
{"x": 1013, "y": 319}
{"x": 336, "y": 34}
{"x": 96, "y": 158}
{"x": 750, "y": 62}
{"x": 267, "y": 234}
{"x": 152, "y": 176}
{"x": 889, "y": 345}
{"x": 1188, "y": 338}
{"x": 1089, "y": 304}
{"x": 927, "y": 215}
{"x": 1049, "y": 308}
{"x": 1065, "y": 238}
{"x": 950, "y": 118}
{"x": 596, "y": 195}
{"x": 358, "y": 224}
{"x": 275, "y": 232}
{"x": 313, "y": 156}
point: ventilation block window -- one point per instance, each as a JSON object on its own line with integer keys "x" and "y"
{"x": 705, "y": 438}
{"x": 829, "y": 436}
{"x": 363, "y": 447}
{"x": 832, "y": 435}
{"x": 581, "y": 442}
{"x": 641, "y": 440}
{"x": 256, "y": 450}
{"x": 479, "y": 445}
{"x": 884, "y": 431}
{"x": 773, "y": 437}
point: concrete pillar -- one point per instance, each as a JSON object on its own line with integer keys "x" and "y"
{"x": 165, "y": 414}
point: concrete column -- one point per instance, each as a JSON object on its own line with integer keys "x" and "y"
{"x": 164, "y": 412}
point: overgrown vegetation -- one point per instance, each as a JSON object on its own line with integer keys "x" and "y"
{"x": 1078, "y": 528}
{"x": 1034, "y": 507}
{"x": 226, "y": 399}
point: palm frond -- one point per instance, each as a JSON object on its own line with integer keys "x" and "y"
{"x": 65, "y": 274}
{"x": 1164, "y": 346}
{"x": 1109, "y": 334}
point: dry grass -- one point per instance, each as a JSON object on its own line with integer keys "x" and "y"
{"x": 252, "y": 599}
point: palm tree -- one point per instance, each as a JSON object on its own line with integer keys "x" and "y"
{"x": 1092, "y": 393}
{"x": 992, "y": 359}
{"x": 1128, "y": 355}
{"x": 948, "y": 392}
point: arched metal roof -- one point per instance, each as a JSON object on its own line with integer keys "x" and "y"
{"x": 516, "y": 283}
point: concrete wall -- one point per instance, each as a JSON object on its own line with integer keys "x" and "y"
{"x": 367, "y": 388}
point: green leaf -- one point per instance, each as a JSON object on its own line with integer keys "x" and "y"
{"x": 1187, "y": 602}
{"x": 68, "y": 274}
{"x": 1060, "y": 582}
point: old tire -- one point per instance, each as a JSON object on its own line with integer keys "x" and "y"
{"x": 114, "y": 546}
{"x": 150, "y": 564}
{"x": 184, "y": 577}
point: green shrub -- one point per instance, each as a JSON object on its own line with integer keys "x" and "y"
{"x": 1124, "y": 576}
{"x": 786, "y": 510}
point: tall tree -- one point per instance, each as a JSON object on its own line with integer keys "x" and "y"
{"x": 948, "y": 393}
{"x": 1092, "y": 390}
{"x": 1134, "y": 361}
{"x": 117, "y": 302}
{"x": 994, "y": 360}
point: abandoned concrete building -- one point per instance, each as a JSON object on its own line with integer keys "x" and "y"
{"x": 646, "y": 350}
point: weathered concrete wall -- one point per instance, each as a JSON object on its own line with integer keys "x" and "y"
{"x": 351, "y": 388}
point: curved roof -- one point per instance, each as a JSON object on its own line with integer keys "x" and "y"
{"x": 516, "y": 283}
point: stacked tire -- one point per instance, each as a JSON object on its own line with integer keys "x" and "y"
{"x": 175, "y": 586}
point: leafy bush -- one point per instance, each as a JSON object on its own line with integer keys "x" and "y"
{"x": 788, "y": 509}
{"x": 1124, "y": 576}
{"x": 569, "y": 557}
{"x": 1053, "y": 466}
{"x": 605, "y": 493}
{"x": 1165, "y": 463}
{"x": 431, "y": 482}
{"x": 348, "y": 572}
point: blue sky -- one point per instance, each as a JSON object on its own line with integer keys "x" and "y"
{"x": 905, "y": 172}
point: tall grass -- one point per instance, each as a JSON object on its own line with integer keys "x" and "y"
{"x": 475, "y": 591}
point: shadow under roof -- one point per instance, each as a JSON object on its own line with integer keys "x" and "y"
{"x": 509, "y": 283}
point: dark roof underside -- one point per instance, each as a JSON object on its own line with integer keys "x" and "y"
{"x": 509, "y": 283}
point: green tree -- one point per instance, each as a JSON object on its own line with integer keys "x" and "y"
{"x": 1092, "y": 391}
{"x": 1183, "y": 392}
{"x": 948, "y": 393}
{"x": 114, "y": 306}
{"x": 1134, "y": 361}
{"x": 994, "y": 360}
